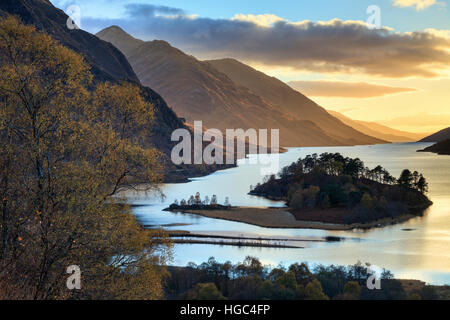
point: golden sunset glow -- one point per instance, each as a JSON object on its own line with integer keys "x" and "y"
{"x": 425, "y": 108}
{"x": 225, "y": 156}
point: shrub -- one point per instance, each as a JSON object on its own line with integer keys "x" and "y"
{"x": 204, "y": 291}
{"x": 352, "y": 290}
{"x": 314, "y": 291}
{"x": 297, "y": 200}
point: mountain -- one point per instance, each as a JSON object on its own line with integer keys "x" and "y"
{"x": 438, "y": 136}
{"x": 442, "y": 148}
{"x": 424, "y": 121}
{"x": 197, "y": 90}
{"x": 107, "y": 64}
{"x": 290, "y": 101}
{"x": 106, "y": 61}
{"x": 378, "y": 130}
{"x": 117, "y": 36}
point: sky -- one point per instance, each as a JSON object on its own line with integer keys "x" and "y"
{"x": 386, "y": 61}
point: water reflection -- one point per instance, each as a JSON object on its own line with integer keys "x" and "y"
{"x": 423, "y": 252}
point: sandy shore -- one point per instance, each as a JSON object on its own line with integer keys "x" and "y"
{"x": 281, "y": 218}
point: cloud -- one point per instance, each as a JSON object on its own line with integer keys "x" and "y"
{"x": 322, "y": 88}
{"x": 264, "y": 20}
{"x": 439, "y": 33}
{"x": 419, "y": 4}
{"x": 324, "y": 46}
{"x": 138, "y": 10}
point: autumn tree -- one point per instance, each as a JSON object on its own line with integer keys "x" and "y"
{"x": 314, "y": 291}
{"x": 414, "y": 296}
{"x": 302, "y": 273}
{"x": 67, "y": 154}
{"x": 204, "y": 291}
{"x": 352, "y": 290}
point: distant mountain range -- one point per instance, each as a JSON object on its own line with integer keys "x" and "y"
{"x": 107, "y": 64}
{"x": 438, "y": 136}
{"x": 223, "y": 93}
{"x": 229, "y": 94}
{"x": 378, "y": 130}
{"x": 290, "y": 101}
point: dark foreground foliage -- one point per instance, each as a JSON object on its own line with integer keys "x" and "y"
{"x": 251, "y": 280}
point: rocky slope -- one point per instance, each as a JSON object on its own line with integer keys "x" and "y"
{"x": 107, "y": 64}
{"x": 438, "y": 136}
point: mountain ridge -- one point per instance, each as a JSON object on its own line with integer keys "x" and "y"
{"x": 107, "y": 64}
{"x": 196, "y": 90}
{"x": 290, "y": 101}
{"x": 378, "y": 130}
{"x": 439, "y": 136}
{"x": 106, "y": 61}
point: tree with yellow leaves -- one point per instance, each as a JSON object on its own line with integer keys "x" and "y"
{"x": 68, "y": 149}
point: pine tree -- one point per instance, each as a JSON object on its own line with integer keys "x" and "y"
{"x": 422, "y": 184}
{"x": 406, "y": 179}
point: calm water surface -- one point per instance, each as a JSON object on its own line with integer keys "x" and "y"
{"x": 421, "y": 253}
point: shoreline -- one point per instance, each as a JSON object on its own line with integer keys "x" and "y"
{"x": 187, "y": 237}
{"x": 184, "y": 176}
{"x": 188, "y": 234}
{"x": 281, "y": 218}
{"x": 441, "y": 148}
{"x": 235, "y": 244}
